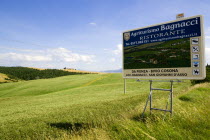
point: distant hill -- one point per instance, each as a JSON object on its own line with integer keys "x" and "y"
{"x": 72, "y": 70}
{"x": 81, "y": 71}
{"x": 113, "y": 71}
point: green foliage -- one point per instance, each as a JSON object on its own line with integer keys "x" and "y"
{"x": 93, "y": 106}
{"x": 207, "y": 79}
{"x": 25, "y": 73}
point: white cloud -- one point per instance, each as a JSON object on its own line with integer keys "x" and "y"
{"x": 207, "y": 41}
{"x": 207, "y": 55}
{"x": 207, "y": 31}
{"x": 118, "y": 51}
{"x": 25, "y": 57}
{"x": 112, "y": 60}
{"x": 93, "y": 23}
{"x": 21, "y": 50}
{"x": 49, "y": 55}
{"x": 207, "y": 36}
{"x": 68, "y": 56}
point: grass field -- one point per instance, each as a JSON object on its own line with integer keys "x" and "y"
{"x": 93, "y": 106}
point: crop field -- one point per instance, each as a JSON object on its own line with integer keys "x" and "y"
{"x": 3, "y": 77}
{"x": 168, "y": 54}
{"x": 94, "y": 106}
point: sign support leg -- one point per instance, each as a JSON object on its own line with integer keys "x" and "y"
{"x": 171, "y": 92}
{"x": 149, "y": 99}
{"x": 150, "y": 96}
{"x": 124, "y": 86}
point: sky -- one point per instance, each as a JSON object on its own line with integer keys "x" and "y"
{"x": 82, "y": 34}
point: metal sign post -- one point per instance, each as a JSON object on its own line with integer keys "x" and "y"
{"x": 124, "y": 86}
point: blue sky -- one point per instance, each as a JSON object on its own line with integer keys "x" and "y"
{"x": 82, "y": 34}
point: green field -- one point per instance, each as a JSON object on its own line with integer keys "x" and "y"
{"x": 93, "y": 106}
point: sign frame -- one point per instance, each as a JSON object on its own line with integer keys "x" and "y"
{"x": 201, "y": 70}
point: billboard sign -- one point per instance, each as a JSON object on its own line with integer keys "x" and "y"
{"x": 171, "y": 50}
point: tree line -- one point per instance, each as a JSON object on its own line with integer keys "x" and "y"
{"x": 207, "y": 79}
{"x": 24, "y": 73}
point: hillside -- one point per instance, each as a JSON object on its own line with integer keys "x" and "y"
{"x": 82, "y": 71}
{"x": 73, "y": 70}
{"x": 93, "y": 106}
{"x": 5, "y": 79}
{"x": 25, "y": 73}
